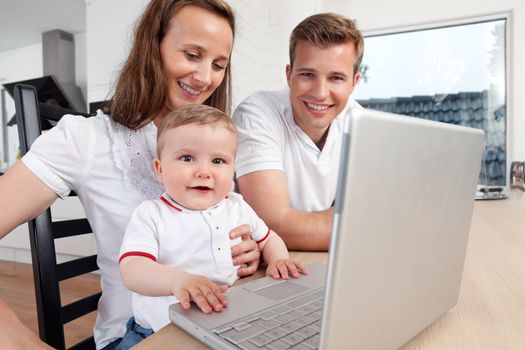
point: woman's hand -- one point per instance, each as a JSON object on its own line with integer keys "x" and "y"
{"x": 245, "y": 254}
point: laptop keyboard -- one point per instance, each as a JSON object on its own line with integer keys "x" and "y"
{"x": 293, "y": 325}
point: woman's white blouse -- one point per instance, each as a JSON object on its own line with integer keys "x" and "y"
{"x": 110, "y": 167}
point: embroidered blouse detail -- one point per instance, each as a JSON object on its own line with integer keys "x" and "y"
{"x": 133, "y": 152}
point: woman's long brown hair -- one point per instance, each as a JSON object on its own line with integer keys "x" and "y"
{"x": 141, "y": 88}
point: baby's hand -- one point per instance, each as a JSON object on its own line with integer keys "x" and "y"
{"x": 285, "y": 267}
{"x": 199, "y": 289}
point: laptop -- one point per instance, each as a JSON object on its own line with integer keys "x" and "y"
{"x": 402, "y": 218}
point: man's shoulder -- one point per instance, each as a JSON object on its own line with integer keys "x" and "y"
{"x": 268, "y": 97}
{"x": 350, "y": 105}
{"x": 270, "y": 102}
{"x": 266, "y": 110}
{"x": 353, "y": 104}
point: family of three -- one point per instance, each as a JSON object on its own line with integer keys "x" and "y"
{"x": 154, "y": 170}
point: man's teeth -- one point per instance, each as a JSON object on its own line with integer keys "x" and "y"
{"x": 188, "y": 89}
{"x": 317, "y": 107}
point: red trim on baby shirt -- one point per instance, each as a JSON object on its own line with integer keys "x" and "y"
{"x": 162, "y": 198}
{"x": 266, "y": 236}
{"x": 146, "y": 255}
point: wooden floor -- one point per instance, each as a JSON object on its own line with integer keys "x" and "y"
{"x": 17, "y": 289}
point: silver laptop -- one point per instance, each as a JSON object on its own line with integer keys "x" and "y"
{"x": 403, "y": 211}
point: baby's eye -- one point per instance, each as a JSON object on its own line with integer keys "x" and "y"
{"x": 218, "y": 161}
{"x": 186, "y": 158}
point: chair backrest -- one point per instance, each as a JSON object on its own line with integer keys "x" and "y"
{"x": 43, "y": 231}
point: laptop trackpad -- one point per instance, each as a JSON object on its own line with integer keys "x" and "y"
{"x": 280, "y": 291}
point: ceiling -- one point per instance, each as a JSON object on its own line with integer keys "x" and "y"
{"x": 22, "y": 22}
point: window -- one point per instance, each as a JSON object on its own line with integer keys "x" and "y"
{"x": 454, "y": 74}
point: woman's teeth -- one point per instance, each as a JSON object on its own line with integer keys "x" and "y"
{"x": 188, "y": 89}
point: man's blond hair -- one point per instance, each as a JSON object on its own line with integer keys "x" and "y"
{"x": 326, "y": 29}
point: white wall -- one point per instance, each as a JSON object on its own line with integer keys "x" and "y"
{"x": 252, "y": 17}
{"x": 22, "y": 63}
{"x": 80, "y": 64}
{"x": 109, "y": 28}
{"x": 284, "y": 16}
{"x": 400, "y": 13}
{"x": 260, "y": 49}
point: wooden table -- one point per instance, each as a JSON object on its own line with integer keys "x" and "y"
{"x": 490, "y": 313}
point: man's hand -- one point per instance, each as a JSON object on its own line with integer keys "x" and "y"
{"x": 284, "y": 268}
{"x": 245, "y": 254}
{"x": 199, "y": 289}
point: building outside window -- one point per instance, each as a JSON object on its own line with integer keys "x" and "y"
{"x": 454, "y": 74}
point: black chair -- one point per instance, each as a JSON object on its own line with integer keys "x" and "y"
{"x": 43, "y": 231}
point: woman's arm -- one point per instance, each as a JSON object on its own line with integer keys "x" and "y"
{"x": 22, "y": 197}
{"x": 14, "y": 335}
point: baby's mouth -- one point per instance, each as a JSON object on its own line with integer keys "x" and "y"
{"x": 201, "y": 188}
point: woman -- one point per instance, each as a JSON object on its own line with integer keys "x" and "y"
{"x": 180, "y": 56}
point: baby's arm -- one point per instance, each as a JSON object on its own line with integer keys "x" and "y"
{"x": 276, "y": 256}
{"x": 144, "y": 276}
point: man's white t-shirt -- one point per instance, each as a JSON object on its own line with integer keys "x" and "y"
{"x": 196, "y": 241}
{"x": 106, "y": 165}
{"x": 269, "y": 139}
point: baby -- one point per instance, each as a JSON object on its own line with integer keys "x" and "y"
{"x": 177, "y": 247}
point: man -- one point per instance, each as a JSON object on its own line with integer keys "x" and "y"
{"x": 290, "y": 140}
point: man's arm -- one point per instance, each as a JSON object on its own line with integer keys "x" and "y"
{"x": 267, "y": 193}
